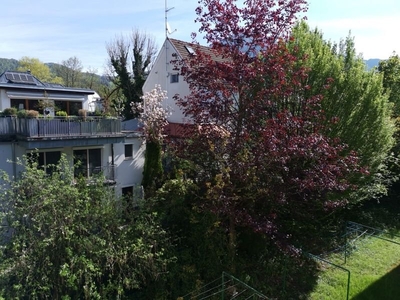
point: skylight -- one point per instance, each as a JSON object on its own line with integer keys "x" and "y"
{"x": 190, "y": 50}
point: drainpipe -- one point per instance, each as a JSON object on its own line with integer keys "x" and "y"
{"x": 112, "y": 161}
{"x": 14, "y": 157}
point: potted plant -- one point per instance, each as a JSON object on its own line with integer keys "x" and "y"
{"x": 10, "y": 111}
{"x": 62, "y": 114}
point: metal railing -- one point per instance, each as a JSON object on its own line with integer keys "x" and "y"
{"x": 59, "y": 126}
{"x": 107, "y": 171}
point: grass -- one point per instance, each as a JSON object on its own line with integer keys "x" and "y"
{"x": 374, "y": 266}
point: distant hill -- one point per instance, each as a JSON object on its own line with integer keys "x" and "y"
{"x": 372, "y": 63}
{"x": 8, "y": 64}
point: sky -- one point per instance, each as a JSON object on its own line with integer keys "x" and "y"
{"x": 55, "y": 30}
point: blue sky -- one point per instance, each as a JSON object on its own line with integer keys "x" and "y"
{"x": 55, "y": 30}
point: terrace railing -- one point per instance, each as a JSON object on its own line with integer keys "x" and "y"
{"x": 107, "y": 171}
{"x": 59, "y": 126}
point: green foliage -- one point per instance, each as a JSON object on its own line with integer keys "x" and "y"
{"x": 129, "y": 81}
{"x": 390, "y": 69}
{"x": 153, "y": 169}
{"x": 61, "y": 113}
{"x": 10, "y": 111}
{"x": 66, "y": 238}
{"x": 38, "y": 69}
{"x": 8, "y": 64}
{"x": 353, "y": 98}
{"x": 199, "y": 239}
{"x": 27, "y": 113}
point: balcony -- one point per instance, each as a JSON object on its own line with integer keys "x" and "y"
{"x": 89, "y": 172}
{"x": 59, "y": 127}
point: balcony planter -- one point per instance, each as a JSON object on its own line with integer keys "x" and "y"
{"x": 10, "y": 111}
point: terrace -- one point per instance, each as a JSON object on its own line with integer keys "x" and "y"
{"x": 59, "y": 127}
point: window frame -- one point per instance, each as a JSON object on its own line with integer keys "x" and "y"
{"x": 127, "y": 151}
{"x": 174, "y": 78}
{"x": 87, "y": 170}
{"x": 43, "y": 157}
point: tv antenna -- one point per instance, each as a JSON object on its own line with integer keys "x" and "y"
{"x": 167, "y": 28}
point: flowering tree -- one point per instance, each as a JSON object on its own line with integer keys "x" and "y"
{"x": 154, "y": 119}
{"x": 275, "y": 171}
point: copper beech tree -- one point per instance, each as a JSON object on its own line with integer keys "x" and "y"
{"x": 261, "y": 156}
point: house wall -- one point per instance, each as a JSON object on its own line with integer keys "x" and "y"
{"x": 130, "y": 169}
{"x": 4, "y": 100}
{"x": 160, "y": 74}
{"x": 6, "y": 154}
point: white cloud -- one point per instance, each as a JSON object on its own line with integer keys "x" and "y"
{"x": 375, "y": 37}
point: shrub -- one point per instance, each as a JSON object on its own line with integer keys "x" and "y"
{"x": 22, "y": 113}
{"x": 61, "y": 113}
{"x": 71, "y": 241}
{"x": 32, "y": 113}
{"x": 82, "y": 112}
{"x": 10, "y": 111}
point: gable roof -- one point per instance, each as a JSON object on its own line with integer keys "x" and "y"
{"x": 187, "y": 50}
{"x": 26, "y": 81}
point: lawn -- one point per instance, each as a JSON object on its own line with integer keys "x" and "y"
{"x": 374, "y": 266}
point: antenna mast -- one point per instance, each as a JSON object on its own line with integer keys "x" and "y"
{"x": 167, "y": 29}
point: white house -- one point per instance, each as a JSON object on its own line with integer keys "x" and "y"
{"x": 163, "y": 73}
{"x": 100, "y": 144}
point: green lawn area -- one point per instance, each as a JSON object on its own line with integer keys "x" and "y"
{"x": 374, "y": 266}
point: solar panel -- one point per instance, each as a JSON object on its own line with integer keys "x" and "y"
{"x": 20, "y": 78}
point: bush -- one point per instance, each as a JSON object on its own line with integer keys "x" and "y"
{"x": 32, "y": 113}
{"x": 10, "y": 111}
{"x": 75, "y": 241}
{"x": 21, "y": 113}
{"x": 61, "y": 113}
{"x": 82, "y": 112}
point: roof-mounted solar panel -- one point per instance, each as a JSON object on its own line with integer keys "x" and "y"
{"x": 14, "y": 77}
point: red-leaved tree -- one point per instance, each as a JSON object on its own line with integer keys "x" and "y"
{"x": 262, "y": 158}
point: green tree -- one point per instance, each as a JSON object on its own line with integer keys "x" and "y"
{"x": 67, "y": 239}
{"x": 353, "y": 97}
{"x": 38, "y": 69}
{"x": 8, "y": 64}
{"x": 130, "y": 59}
{"x": 390, "y": 69}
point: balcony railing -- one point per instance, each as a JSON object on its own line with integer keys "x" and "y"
{"x": 88, "y": 172}
{"x": 59, "y": 126}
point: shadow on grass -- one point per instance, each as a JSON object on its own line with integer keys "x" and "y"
{"x": 386, "y": 288}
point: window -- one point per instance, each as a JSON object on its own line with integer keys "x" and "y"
{"x": 87, "y": 162}
{"x": 127, "y": 192}
{"x": 130, "y": 196}
{"x": 46, "y": 160}
{"x": 190, "y": 50}
{"x": 128, "y": 151}
{"x": 174, "y": 78}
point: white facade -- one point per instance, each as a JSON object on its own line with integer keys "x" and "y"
{"x": 129, "y": 171}
{"x": 100, "y": 143}
{"x": 163, "y": 74}
{"x": 121, "y": 170}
